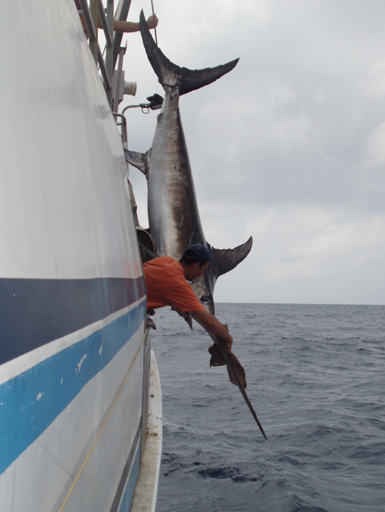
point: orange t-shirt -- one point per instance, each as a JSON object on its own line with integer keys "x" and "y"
{"x": 167, "y": 286}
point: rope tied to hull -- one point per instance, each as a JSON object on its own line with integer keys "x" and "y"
{"x": 153, "y": 13}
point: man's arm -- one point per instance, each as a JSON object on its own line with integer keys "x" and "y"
{"x": 212, "y": 324}
{"x": 130, "y": 26}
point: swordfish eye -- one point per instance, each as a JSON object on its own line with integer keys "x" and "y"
{"x": 205, "y": 299}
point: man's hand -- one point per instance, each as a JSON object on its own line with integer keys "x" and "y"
{"x": 130, "y": 26}
{"x": 152, "y": 21}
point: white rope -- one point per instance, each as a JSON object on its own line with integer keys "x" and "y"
{"x": 200, "y": 454}
{"x": 192, "y": 414}
{"x": 197, "y": 430}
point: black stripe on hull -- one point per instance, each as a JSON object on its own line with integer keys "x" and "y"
{"x": 35, "y": 312}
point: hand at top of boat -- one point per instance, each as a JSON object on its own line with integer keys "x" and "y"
{"x": 152, "y": 21}
{"x": 119, "y": 26}
{"x": 131, "y": 26}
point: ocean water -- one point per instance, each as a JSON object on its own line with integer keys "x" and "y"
{"x": 316, "y": 380}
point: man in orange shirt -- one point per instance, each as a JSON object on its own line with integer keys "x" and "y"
{"x": 166, "y": 281}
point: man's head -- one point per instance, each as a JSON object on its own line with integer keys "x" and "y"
{"x": 195, "y": 260}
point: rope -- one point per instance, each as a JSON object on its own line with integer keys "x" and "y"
{"x": 73, "y": 485}
{"x": 196, "y": 437}
{"x": 214, "y": 498}
{"x": 153, "y": 13}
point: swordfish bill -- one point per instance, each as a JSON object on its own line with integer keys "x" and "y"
{"x": 230, "y": 364}
{"x": 226, "y": 357}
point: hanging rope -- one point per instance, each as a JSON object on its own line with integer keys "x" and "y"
{"x": 153, "y": 13}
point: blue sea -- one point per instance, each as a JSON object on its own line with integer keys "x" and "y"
{"x": 316, "y": 380}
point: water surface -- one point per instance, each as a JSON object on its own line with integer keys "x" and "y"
{"x": 316, "y": 379}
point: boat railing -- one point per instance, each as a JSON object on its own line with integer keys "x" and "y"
{"x": 154, "y": 103}
{"x": 91, "y": 14}
{"x": 113, "y": 80}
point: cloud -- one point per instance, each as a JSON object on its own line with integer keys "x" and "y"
{"x": 288, "y": 147}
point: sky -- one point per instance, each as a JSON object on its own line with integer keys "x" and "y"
{"x": 289, "y": 147}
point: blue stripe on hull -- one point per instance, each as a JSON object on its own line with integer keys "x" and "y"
{"x": 30, "y": 402}
{"x": 37, "y": 311}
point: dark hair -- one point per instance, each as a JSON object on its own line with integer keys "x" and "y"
{"x": 189, "y": 258}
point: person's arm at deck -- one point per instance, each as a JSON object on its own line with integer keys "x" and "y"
{"x": 212, "y": 324}
{"x": 131, "y": 26}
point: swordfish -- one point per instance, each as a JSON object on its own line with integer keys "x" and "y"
{"x": 172, "y": 206}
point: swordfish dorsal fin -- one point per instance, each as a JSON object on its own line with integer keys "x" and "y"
{"x": 138, "y": 160}
{"x": 227, "y": 259}
{"x": 170, "y": 74}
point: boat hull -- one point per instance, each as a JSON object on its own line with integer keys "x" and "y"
{"x": 74, "y": 351}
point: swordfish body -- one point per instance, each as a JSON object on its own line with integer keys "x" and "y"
{"x": 172, "y": 206}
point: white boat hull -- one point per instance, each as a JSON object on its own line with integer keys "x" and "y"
{"x": 73, "y": 352}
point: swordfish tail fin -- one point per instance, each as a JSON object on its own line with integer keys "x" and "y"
{"x": 170, "y": 74}
{"x": 227, "y": 259}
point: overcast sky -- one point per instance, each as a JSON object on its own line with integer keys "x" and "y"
{"x": 289, "y": 147}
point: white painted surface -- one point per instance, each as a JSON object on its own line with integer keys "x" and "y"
{"x": 64, "y": 209}
{"x": 147, "y": 486}
{"x": 64, "y": 214}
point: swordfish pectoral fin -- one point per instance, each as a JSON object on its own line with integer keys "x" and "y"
{"x": 170, "y": 74}
{"x": 227, "y": 259}
{"x": 186, "y": 315}
{"x": 138, "y": 160}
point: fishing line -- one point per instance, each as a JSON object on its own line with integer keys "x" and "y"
{"x": 196, "y": 429}
{"x": 303, "y": 428}
{"x": 200, "y": 453}
{"x": 192, "y": 414}
{"x": 321, "y": 442}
